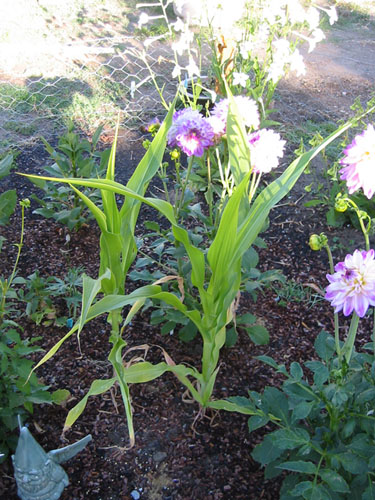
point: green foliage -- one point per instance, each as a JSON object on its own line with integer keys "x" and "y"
{"x": 40, "y": 294}
{"x": 74, "y": 158}
{"x": 325, "y": 428}
{"x": 8, "y": 199}
{"x": 18, "y": 391}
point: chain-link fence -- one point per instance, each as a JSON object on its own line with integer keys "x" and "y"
{"x": 89, "y": 83}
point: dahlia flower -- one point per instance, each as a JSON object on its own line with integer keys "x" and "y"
{"x": 191, "y": 132}
{"x": 352, "y": 286}
{"x": 359, "y": 163}
{"x": 247, "y": 108}
{"x": 266, "y": 147}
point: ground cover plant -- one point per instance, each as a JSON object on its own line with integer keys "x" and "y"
{"x": 163, "y": 462}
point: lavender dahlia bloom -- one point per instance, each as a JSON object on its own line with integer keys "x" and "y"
{"x": 359, "y": 163}
{"x": 352, "y": 286}
{"x": 247, "y": 108}
{"x": 191, "y": 132}
{"x": 266, "y": 147}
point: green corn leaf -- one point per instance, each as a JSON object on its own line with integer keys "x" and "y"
{"x": 162, "y": 206}
{"x": 147, "y": 167}
{"x": 239, "y": 153}
{"x": 6, "y": 165}
{"x": 223, "y": 404}
{"x": 96, "y": 388}
{"x": 8, "y": 202}
{"x": 90, "y": 289}
{"x": 273, "y": 193}
{"x": 96, "y": 212}
{"x": 115, "y": 357}
{"x": 109, "y": 199}
{"x": 195, "y": 255}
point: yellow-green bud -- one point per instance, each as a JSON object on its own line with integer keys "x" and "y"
{"x": 318, "y": 241}
{"x": 341, "y": 205}
{"x": 146, "y": 143}
{"x": 175, "y": 154}
{"x": 25, "y": 203}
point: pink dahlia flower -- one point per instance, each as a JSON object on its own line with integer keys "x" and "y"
{"x": 247, "y": 108}
{"x": 359, "y": 163}
{"x": 266, "y": 147}
{"x": 191, "y": 132}
{"x": 352, "y": 286}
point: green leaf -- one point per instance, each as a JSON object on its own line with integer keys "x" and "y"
{"x": 296, "y": 371}
{"x": 268, "y": 360}
{"x": 321, "y": 372}
{"x": 8, "y": 202}
{"x": 231, "y": 337}
{"x": 90, "y": 289}
{"x": 325, "y": 346}
{"x": 96, "y": 388}
{"x": 288, "y": 439}
{"x": 267, "y": 451}
{"x": 237, "y": 404}
{"x": 301, "y": 411}
{"x": 334, "y": 480}
{"x": 6, "y": 165}
{"x": 257, "y": 421}
{"x": 352, "y": 463}
{"x": 299, "y": 466}
{"x": 258, "y": 334}
{"x": 301, "y": 488}
{"x": 60, "y": 395}
{"x": 246, "y": 319}
{"x": 276, "y": 403}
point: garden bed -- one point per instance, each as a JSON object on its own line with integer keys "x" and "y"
{"x": 176, "y": 457}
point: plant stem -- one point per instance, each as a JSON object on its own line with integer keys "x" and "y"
{"x": 8, "y": 283}
{"x": 184, "y": 186}
{"x": 335, "y": 316}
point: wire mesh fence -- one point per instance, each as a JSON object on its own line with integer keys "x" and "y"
{"x": 88, "y": 82}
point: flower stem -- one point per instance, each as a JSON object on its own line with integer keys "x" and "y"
{"x": 335, "y": 316}
{"x": 349, "y": 342}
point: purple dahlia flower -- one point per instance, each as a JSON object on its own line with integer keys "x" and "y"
{"x": 352, "y": 286}
{"x": 191, "y": 132}
{"x": 359, "y": 163}
{"x": 266, "y": 147}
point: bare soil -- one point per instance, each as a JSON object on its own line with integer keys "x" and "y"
{"x": 173, "y": 459}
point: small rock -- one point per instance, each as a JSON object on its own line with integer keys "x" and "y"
{"x": 159, "y": 456}
{"x": 135, "y": 495}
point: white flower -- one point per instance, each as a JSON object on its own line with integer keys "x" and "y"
{"x": 312, "y": 17}
{"x": 178, "y": 25}
{"x": 240, "y": 79}
{"x": 143, "y": 19}
{"x": 192, "y": 68}
{"x": 266, "y": 147}
{"x": 275, "y": 71}
{"x": 176, "y": 71}
{"x": 245, "y": 48}
{"x": 297, "y": 64}
{"x": 331, "y": 13}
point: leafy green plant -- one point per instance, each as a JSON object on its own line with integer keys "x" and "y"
{"x": 40, "y": 294}
{"x": 18, "y": 391}
{"x": 74, "y": 158}
{"x": 8, "y": 199}
{"x": 215, "y": 271}
{"x": 324, "y": 425}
